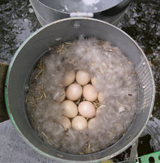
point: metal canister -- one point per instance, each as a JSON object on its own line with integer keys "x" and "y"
{"x": 48, "y": 11}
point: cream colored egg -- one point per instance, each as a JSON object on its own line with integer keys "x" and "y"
{"x": 79, "y": 123}
{"x": 69, "y": 78}
{"x": 70, "y": 108}
{"x": 87, "y": 109}
{"x": 91, "y": 123}
{"x": 74, "y": 92}
{"x": 82, "y": 77}
{"x": 93, "y": 80}
{"x": 89, "y": 92}
{"x": 100, "y": 97}
{"x": 66, "y": 123}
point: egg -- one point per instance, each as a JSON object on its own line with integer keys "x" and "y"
{"x": 79, "y": 123}
{"x": 66, "y": 123}
{"x": 70, "y": 108}
{"x": 93, "y": 80}
{"x": 100, "y": 97}
{"x": 89, "y": 92}
{"x": 86, "y": 109}
{"x": 91, "y": 123}
{"x": 82, "y": 77}
{"x": 69, "y": 78}
{"x": 74, "y": 92}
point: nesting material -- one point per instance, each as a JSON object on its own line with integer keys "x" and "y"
{"x": 111, "y": 80}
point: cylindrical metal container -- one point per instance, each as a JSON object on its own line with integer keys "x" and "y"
{"x": 48, "y": 11}
{"x": 71, "y": 29}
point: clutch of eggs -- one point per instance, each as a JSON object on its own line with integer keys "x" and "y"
{"x": 77, "y": 86}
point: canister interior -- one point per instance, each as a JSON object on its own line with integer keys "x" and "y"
{"x": 91, "y": 6}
